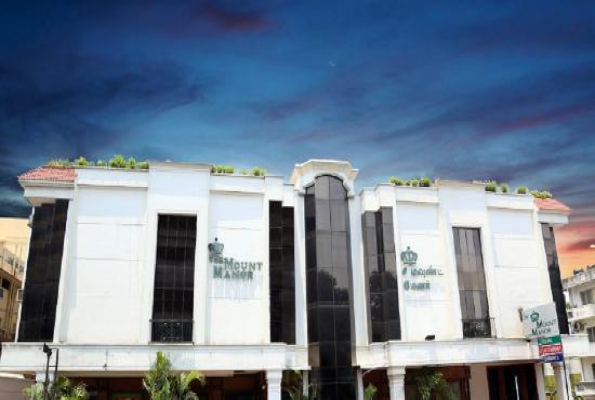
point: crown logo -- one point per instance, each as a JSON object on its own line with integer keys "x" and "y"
{"x": 215, "y": 250}
{"x": 534, "y": 316}
{"x": 409, "y": 257}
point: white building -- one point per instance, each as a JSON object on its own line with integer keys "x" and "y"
{"x": 581, "y": 315}
{"x": 245, "y": 277}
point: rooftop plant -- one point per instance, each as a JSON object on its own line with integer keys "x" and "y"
{"x": 396, "y": 181}
{"x": 503, "y": 188}
{"x": 117, "y": 161}
{"x": 544, "y": 194}
{"x": 491, "y": 186}
{"x": 222, "y": 169}
{"x": 422, "y": 182}
{"x": 521, "y": 190}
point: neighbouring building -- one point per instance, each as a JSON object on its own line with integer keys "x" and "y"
{"x": 245, "y": 278}
{"x": 14, "y": 241}
{"x": 580, "y": 288}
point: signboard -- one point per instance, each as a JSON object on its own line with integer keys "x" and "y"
{"x": 550, "y": 349}
{"x": 419, "y": 277}
{"x": 541, "y": 322}
{"x": 230, "y": 268}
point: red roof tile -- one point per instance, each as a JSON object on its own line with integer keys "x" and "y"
{"x": 45, "y": 173}
{"x": 551, "y": 205}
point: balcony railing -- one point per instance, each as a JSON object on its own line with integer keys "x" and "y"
{"x": 585, "y": 388}
{"x": 478, "y": 328}
{"x": 582, "y": 312}
{"x": 171, "y": 330}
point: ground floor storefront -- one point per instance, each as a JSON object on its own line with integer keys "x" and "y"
{"x": 241, "y": 386}
{"x": 520, "y": 381}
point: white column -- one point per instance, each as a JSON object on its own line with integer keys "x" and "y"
{"x": 360, "y": 385}
{"x": 396, "y": 383}
{"x": 274, "y": 384}
{"x": 560, "y": 381}
{"x": 540, "y": 381}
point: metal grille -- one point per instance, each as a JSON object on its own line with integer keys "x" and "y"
{"x": 478, "y": 328}
{"x": 171, "y": 330}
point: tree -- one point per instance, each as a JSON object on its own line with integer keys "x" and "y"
{"x": 162, "y": 384}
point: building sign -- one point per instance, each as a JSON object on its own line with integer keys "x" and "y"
{"x": 417, "y": 278}
{"x": 228, "y": 267}
{"x": 541, "y": 322}
{"x": 550, "y": 349}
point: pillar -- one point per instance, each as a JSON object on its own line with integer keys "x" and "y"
{"x": 274, "y": 384}
{"x": 560, "y": 377}
{"x": 360, "y": 384}
{"x": 540, "y": 381}
{"x": 396, "y": 383}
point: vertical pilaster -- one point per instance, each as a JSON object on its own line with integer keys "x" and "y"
{"x": 560, "y": 377}
{"x": 539, "y": 381}
{"x": 396, "y": 383}
{"x": 274, "y": 384}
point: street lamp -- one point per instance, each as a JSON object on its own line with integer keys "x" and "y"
{"x": 48, "y": 353}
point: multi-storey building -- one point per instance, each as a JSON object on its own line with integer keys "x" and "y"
{"x": 580, "y": 288}
{"x": 246, "y": 277}
{"x": 14, "y": 239}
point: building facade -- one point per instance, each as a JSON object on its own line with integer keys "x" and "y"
{"x": 245, "y": 278}
{"x": 14, "y": 240}
{"x": 580, "y": 288}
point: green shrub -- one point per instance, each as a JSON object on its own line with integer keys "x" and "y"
{"x": 257, "y": 171}
{"x": 142, "y": 165}
{"x": 425, "y": 182}
{"x": 118, "y": 161}
{"x": 544, "y": 194}
{"x": 101, "y": 163}
{"x": 81, "y": 161}
{"x": 244, "y": 171}
{"x": 414, "y": 182}
{"x": 521, "y": 190}
{"x": 491, "y": 186}
{"x": 504, "y": 188}
{"x": 59, "y": 162}
{"x": 396, "y": 181}
{"x": 222, "y": 169}
{"x": 131, "y": 163}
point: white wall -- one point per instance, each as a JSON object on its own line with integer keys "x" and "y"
{"x": 236, "y": 309}
{"x": 102, "y": 279}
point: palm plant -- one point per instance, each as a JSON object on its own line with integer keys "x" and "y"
{"x": 63, "y": 390}
{"x": 34, "y": 392}
{"x": 60, "y": 389}
{"x": 429, "y": 381}
{"x": 370, "y": 392}
{"x": 156, "y": 381}
{"x": 295, "y": 388}
{"x": 163, "y": 384}
{"x": 180, "y": 385}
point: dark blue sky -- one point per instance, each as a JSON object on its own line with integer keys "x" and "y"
{"x": 502, "y": 90}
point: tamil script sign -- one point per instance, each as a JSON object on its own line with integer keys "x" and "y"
{"x": 541, "y": 321}
{"x": 550, "y": 349}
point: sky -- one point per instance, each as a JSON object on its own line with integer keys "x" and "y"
{"x": 499, "y": 90}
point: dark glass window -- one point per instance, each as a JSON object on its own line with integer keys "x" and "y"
{"x": 46, "y": 247}
{"x": 381, "y": 275}
{"x": 553, "y": 266}
{"x": 328, "y": 261}
{"x": 281, "y": 273}
{"x": 173, "y": 300}
{"x": 472, "y": 284}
